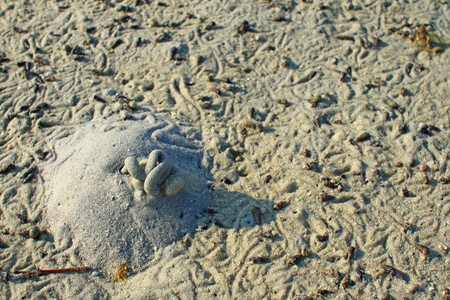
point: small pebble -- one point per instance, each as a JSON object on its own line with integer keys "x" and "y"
{"x": 257, "y": 38}
{"x": 154, "y": 23}
{"x": 34, "y": 232}
{"x": 132, "y": 104}
{"x": 393, "y": 105}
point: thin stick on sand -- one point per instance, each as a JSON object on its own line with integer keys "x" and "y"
{"x": 40, "y": 272}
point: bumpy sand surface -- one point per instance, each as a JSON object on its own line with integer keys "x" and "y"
{"x": 325, "y": 110}
{"x": 93, "y": 207}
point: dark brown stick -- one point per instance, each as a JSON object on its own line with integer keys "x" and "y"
{"x": 40, "y": 272}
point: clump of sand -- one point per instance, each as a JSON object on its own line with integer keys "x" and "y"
{"x": 94, "y": 208}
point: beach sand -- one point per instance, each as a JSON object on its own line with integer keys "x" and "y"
{"x": 320, "y": 148}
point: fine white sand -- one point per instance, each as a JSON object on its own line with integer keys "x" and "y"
{"x": 94, "y": 208}
{"x": 260, "y": 115}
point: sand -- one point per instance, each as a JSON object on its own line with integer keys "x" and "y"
{"x": 93, "y": 207}
{"x": 356, "y": 160}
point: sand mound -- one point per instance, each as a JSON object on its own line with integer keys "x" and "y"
{"x": 93, "y": 207}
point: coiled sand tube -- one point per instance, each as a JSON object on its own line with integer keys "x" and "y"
{"x": 158, "y": 173}
{"x": 175, "y": 182}
{"x": 155, "y": 157}
{"x": 132, "y": 167}
{"x": 156, "y": 177}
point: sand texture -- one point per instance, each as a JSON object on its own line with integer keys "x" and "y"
{"x": 314, "y": 135}
{"x": 92, "y": 207}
